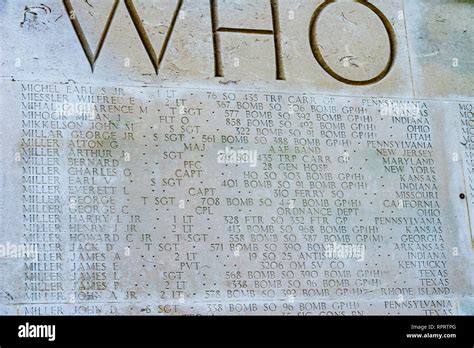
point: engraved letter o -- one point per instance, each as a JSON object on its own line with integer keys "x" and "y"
{"x": 328, "y": 69}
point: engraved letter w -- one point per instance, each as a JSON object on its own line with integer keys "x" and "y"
{"x": 92, "y": 57}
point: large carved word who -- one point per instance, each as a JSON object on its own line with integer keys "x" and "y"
{"x": 156, "y": 55}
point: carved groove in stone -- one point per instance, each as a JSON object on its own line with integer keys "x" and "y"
{"x": 218, "y": 66}
{"x": 319, "y": 57}
{"x": 91, "y": 57}
{"x": 155, "y": 60}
